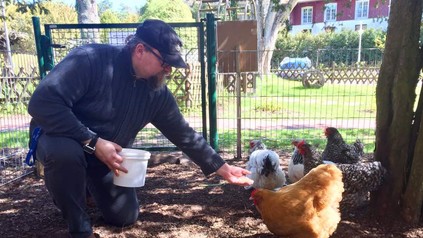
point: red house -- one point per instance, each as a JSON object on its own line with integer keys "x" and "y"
{"x": 318, "y": 15}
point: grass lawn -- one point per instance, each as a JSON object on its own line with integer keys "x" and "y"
{"x": 276, "y": 97}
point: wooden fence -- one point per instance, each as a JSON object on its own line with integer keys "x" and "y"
{"x": 17, "y": 87}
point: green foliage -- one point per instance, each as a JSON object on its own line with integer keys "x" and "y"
{"x": 22, "y": 22}
{"x": 59, "y": 13}
{"x": 109, "y": 16}
{"x": 340, "y": 48}
{"x": 12, "y": 108}
{"x": 172, "y": 11}
{"x": 269, "y": 107}
{"x": 129, "y": 17}
{"x": 167, "y": 10}
{"x": 28, "y": 7}
{"x": 14, "y": 139}
{"x": 103, "y": 6}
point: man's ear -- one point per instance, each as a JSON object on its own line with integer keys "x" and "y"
{"x": 140, "y": 48}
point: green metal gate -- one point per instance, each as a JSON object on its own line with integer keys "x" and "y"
{"x": 187, "y": 85}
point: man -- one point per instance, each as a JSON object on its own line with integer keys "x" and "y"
{"x": 93, "y": 103}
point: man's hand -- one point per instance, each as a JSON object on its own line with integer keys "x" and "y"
{"x": 234, "y": 175}
{"x": 107, "y": 152}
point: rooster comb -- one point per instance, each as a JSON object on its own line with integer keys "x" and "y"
{"x": 301, "y": 143}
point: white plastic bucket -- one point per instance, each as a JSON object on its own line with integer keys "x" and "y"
{"x": 135, "y": 161}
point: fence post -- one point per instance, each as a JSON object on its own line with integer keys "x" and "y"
{"x": 203, "y": 79}
{"x": 238, "y": 85}
{"x": 37, "y": 36}
{"x": 211, "y": 72}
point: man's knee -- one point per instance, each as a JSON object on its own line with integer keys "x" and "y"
{"x": 59, "y": 150}
{"x": 123, "y": 218}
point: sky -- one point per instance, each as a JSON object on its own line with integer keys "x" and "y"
{"x": 116, "y": 4}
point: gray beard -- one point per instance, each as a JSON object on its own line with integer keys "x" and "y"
{"x": 155, "y": 82}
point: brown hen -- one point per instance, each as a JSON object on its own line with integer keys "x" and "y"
{"x": 308, "y": 208}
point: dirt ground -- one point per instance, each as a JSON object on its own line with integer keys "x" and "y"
{"x": 177, "y": 201}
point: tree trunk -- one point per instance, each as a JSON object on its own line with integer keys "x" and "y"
{"x": 88, "y": 13}
{"x": 269, "y": 18}
{"x": 395, "y": 97}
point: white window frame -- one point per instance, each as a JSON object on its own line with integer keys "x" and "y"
{"x": 362, "y": 9}
{"x": 308, "y": 13}
{"x": 330, "y": 12}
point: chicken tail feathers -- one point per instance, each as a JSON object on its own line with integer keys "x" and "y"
{"x": 358, "y": 147}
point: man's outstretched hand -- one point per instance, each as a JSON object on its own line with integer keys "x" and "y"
{"x": 235, "y": 175}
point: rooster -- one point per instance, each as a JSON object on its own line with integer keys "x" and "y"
{"x": 265, "y": 170}
{"x": 359, "y": 178}
{"x": 295, "y": 166}
{"x": 308, "y": 208}
{"x": 338, "y": 151}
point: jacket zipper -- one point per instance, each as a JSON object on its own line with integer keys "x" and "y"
{"x": 126, "y": 112}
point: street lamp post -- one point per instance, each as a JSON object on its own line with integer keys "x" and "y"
{"x": 360, "y": 33}
{"x": 6, "y": 34}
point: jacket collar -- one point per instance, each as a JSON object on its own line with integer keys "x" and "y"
{"x": 124, "y": 62}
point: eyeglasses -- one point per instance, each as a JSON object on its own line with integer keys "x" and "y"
{"x": 163, "y": 62}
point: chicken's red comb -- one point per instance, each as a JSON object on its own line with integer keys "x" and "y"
{"x": 329, "y": 130}
{"x": 252, "y": 196}
{"x": 253, "y": 192}
{"x": 252, "y": 144}
{"x": 301, "y": 143}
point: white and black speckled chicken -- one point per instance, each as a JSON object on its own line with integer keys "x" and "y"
{"x": 265, "y": 168}
{"x": 359, "y": 178}
{"x": 256, "y": 145}
{"x": 296, "y": 164}
{"x": 338, "y": 151}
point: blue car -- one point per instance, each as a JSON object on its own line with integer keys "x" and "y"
{"x": 294, "y": 68}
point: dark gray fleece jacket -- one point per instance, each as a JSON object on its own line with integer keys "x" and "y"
{"x": 93, "y": 88}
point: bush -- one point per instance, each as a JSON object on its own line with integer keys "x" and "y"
{"x": 329, "y": 48}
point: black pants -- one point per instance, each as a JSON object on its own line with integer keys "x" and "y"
{"x": 68, "y": 170}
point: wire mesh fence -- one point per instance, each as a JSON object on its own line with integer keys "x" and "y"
{"x": 296, "y": 102}
{"x": 277, "y": 106}
{"x": 65, "y": 37}
{"x": 17, "y": 82}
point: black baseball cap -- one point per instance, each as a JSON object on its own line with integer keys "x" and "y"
{"x": 161, "y": 36}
